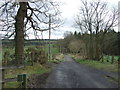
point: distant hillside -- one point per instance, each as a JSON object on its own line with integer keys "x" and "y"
{"x": 10, "y": 42}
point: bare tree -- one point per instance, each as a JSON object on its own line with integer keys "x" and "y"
{"x": 104, "y": 20}
{"x": 95, "y": 17}
{"x": 84, "y": 21}
{"x": 76, "y": 46}
{"x": 19, "y": 32}
{"x": 20, "y": 17}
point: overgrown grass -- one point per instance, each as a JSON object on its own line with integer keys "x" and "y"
{"x": 28, "y": 70}
{"x": 58, "y": 59}
{"x": 99, "y": 65}
{"x": 54, "y": 50}
{"x": 11, "y": 52}
{"x": 12, "y": 85}
{"x": 6, "y": 49}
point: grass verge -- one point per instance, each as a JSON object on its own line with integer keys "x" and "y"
{"x": 113, "y": 78}
{"x": 29, "y": 70}
{"x": 99, "y": 65}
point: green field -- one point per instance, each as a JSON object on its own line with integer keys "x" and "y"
{"x": 11, "y": 50}
{"x": 109, "y": 58}
{"x": 29, "y": 70}
{"x": 54, "y": 50}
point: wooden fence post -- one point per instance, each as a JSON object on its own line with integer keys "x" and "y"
{"x": 107, "y": 59}
{"x": 112, "y": 59}
{"x": 32, "y": 57}
{"x": 102, "y": 57}
{"x": 24, "y": 81}
{"x": 22, "y": 78}
{"x": 118, "y": 71}
{"x": 3, "y": 77}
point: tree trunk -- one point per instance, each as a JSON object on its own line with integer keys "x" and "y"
{"x": 102, "y": 47}
{"x": 112, "y": 59}
{"x": 19, "y": 33}
{"x": 102, "y": 57}
{"x": 107, "y": 59}
{"x": 91, "y": 49}
{"x": 91, "y": 52}
{"x": 97, "y": 50}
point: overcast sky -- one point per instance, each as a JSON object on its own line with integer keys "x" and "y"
{"x": 69, "y": 10}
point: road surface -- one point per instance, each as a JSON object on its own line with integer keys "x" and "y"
{"x": 69, "y": 74}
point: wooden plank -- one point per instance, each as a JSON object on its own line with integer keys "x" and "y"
{"x": 11, "y": 67}
{"x": 9, "y": 80}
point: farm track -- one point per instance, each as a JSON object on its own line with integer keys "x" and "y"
{"x": 70, "y": 74}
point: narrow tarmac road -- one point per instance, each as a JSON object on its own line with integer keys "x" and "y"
{"x": 70, "y": 74}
